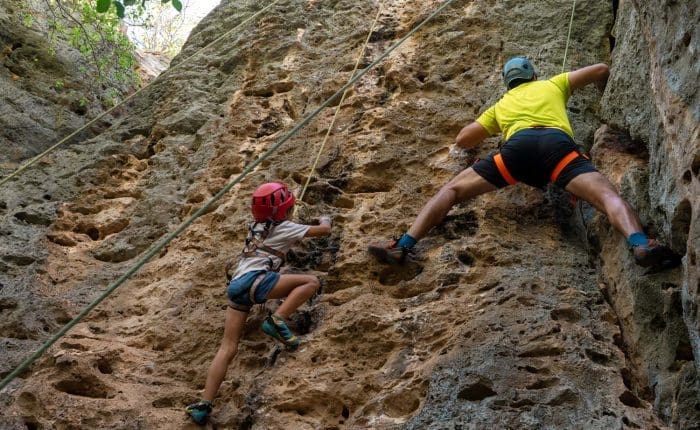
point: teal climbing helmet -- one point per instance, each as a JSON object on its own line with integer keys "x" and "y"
{"x": 517, "y": 68}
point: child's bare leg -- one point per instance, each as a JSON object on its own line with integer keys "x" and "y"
{"x": 235, "y": 320}
{"x": 296, "y": 288}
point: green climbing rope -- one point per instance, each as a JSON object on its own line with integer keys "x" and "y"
{"x": 204, "y": 209}
{"x": 337, "y": 110}
{"x": 34, "y": 160}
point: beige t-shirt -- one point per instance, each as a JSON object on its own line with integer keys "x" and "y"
{"x": 281, "y": 237}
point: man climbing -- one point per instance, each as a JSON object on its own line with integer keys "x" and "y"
{"x": 539, "y": 148}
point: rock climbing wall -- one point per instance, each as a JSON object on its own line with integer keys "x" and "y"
{"x": 514, "y": 316}
{"x": 650, "y": 147}
{"x": 44, "y": 93}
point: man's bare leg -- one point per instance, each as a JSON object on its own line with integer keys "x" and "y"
{"x": 467, "y": 184}
{"x": 597, "y": 190}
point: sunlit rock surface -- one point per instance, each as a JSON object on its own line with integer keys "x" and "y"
{"x": 527, "y": 312}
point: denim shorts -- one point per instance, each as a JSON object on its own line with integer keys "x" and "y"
{"x": 238, "y": 290}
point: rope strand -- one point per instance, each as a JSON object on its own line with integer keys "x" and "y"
{"x": 127, "y": 99}
{"x": 204, "y": 209}
{"x": 568, "y": 37}
{"x": 337, "y": 110}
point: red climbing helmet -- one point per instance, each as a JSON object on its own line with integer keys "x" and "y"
{"x": 271, "y": 201}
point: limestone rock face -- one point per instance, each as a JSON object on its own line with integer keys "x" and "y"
{"x": 44, "y": 95}
{"x": 521, "y": 312}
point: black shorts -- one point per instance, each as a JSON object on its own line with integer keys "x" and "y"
{"x": 535, "y": 156}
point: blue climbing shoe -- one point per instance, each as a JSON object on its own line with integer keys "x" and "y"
{"x": 199, "y": 411}
{"x": 276, "y": 327}
{"x": 655, "y": 256}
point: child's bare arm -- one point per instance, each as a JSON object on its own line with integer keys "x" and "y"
{"x": 323, "y": 229}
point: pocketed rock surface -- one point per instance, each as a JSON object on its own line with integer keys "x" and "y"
{"x": 521, "y": 311}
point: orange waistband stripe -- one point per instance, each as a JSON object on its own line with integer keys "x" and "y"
{"x": 503, "y": 170}
{"x": 561, "y": 165}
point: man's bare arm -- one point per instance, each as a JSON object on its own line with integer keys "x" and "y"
{"x": 587, "y": 75}
{"x": 471, "y": 135}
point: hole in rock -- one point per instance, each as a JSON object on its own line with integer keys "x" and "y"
{"x": 31, "y": 425}
{"x": 7, "y": 303}
{"x": 565, "y": 314}
{"x": 78, "y": 106}
{"x": 33, "y": 218}
{"x": 382, "y": 34}
{"x": 466, "y": 258}
{"x": 684, "y": 351}
{"x": 543, "y": 383}
{"x": 391, "y": 276}
{"x": 346, "y": 412}
{"x": 19, "y": 260}
{"x": 695, "y": 166}
{"x": 93, "y": 233}
{"x": 448, "y": 279}
{"x": 458, "y": 226}
{"x": 104, "y": 365}
{"x": 164, "y": 402}
{"x": 687, "y": 177}
{"x": 680, "y": 226}
{"x": 686, "y": 39}
{"x": 84, "y": 386}
{"x": 626, "y": 377}
{"x": 628, "y": 398}
{"x": 475, "y": 392}
{"x": 304, "y": 321}
{"x": 596, "y": 356}
{"x": 657, "y": 323}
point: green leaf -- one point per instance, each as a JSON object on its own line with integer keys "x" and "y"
{"x": 120, "y": 8}
{"x": 103, "y": 5}
{"x": 177, "y": 5}
{"x": 129, "y": 2}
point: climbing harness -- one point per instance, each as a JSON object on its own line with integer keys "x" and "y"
{"x": 130, "y": 97}
{"x": 337, "y": 110}
{"x": 155, "y": 250}
{"x": 503, "y": 170}
{"x": 561, "y": 165}
{"x": 251, "y": 295}
{"x": 568, "y": 36}
{"x": 254, "y": 244}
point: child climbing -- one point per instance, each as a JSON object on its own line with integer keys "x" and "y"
{"x": 539, "y": 149}
{"x": 256, "y": 279}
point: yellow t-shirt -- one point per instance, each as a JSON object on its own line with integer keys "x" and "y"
{"x": 532, "y": 104}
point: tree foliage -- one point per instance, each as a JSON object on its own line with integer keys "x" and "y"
{"x": 107, "y": 52}
{"x": 120, "y": 6}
